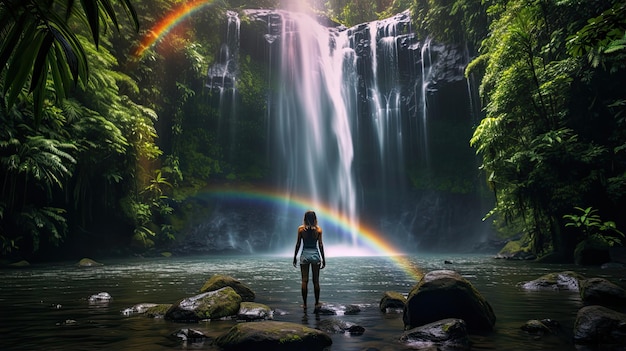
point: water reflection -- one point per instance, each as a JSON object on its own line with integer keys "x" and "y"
{"x": 36, "y": 302}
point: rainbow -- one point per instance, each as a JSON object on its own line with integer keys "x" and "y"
{"x": 161, "y": 28}
{"x": 372, "y": 239}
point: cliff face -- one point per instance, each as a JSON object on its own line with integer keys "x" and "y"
{"x": 371, "y": 121}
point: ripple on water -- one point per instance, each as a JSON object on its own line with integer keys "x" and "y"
{"x": 28, "y": 296}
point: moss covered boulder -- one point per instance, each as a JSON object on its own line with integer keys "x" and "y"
{"x": 599, "y": 291}
{"x": 209, "y": 305}
{"x": 219, "y": 281}
{"x": 592, "y": 251}
{"x": 20, "y": 264}
{"x": 600, "y": 327}
{"x": 275, "y": 336}
{"x": 88, "y": 262}
{"x": 158, "y": 311}
{"x": 251, "y": 311}
{"x": 516, "y": 250}
{"x": 566, "y": 280}
{"x": 392, "y": 300}
{"x": 446, "y": 334}
{"x": 444, "y": 294}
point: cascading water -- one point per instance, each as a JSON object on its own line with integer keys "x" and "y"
{"x": 312, "y": 119}
{"x": 222, "y": 76}
{"x": 346, "y": 121}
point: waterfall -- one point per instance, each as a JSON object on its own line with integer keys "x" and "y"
{"x": 222, "y": 76}
{"x": 347, "y": 113}
{"x": 312, "y": 115}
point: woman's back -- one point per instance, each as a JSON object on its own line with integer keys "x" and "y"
{"x": 310, "y": 235}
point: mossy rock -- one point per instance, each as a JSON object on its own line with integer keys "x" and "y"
{"x": 592, "y": 251}
{"x": 158, "y": 311}
{"x": 249, "y": 311}
{"x": 600, "y": 327}
{"x": 209, "y": 305}
{"x": 599, "y": 291}
{"x": 512, "y": 247}
{"x": 444, "y": 294}
{"x": 517, "y": 250}
{"x": 20, "y": 264}
{"x": 88, "y": 262}
{"x": 445, "y": 334}
{"x": 566, "y": 280}
{"x": 219, "y": 281}
{"x": 271, "y": 335}
{"x": 392, "y": 300}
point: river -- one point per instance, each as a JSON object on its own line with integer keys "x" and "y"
{"x": 35, "y": 301}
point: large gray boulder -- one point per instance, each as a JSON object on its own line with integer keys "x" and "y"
{"x": 566, "y": 280}
{"x": 219, "y": 281}
{"x": 599, "y": 291}
{"x": 600, "y": 326}
{"x": 446, "y": 334}
{"x": 209, "y": 305}
{"x": 446, "y": 294}
{"x": 275, "y": 336}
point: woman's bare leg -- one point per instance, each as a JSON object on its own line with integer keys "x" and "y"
{"x": 304, "y": 269}
{"x": 316, "y": 283}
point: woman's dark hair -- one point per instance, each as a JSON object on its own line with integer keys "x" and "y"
{"x": 310, "y": 219}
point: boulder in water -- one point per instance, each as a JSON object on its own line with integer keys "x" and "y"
{"x": 330, "y": 309}
{"x": 338, "y": 326}
{"x": 446, "y": 334}
{"x": 139, "y": 308}
{"x": 444, "y": 294}
{"x": 20, "y": 264}
{"x": 566, "y": 280}
{"x": 592, "y": 251}
{"x": 250, "y": 311}
{"x": 103, "y": 297}
{"x": 392, "y": 300}
{"x": 540, "y": 327}
{"x": 88, "y": 262}
{"x": 209, "y": 305}
{"x": 189, "y": 335}
{"x": 275, "y": 336}
{"x": 158, "y": 311}
{"x": 600, "y": 326}
{"x": 599, "y": 291}
{"x": 219, "y": 281}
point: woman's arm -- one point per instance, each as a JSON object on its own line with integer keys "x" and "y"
{"x": 297, "y": 247}
{"x": 320, "y": 244}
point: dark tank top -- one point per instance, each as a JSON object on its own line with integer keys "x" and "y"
{"x": 309, "y": 238}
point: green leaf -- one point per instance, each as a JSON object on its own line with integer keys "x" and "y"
{"x": 21, "y": 65}
{"x": 91, "y": 12}
{"x": 11, "y": 41}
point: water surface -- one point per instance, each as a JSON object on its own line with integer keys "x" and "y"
{"x": 35, "y": 301}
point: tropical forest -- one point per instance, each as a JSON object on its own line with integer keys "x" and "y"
{"x": 451, "y": 172}
{"x": 109, "y": 131}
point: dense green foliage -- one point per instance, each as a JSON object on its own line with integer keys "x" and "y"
{"x": 552, "y": 138}
{"x": 98, "y": 145}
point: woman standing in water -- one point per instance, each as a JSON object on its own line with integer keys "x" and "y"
{"x": 310, "y": 235}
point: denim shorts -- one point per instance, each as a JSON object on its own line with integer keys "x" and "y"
{"x": 310, "y": 256}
